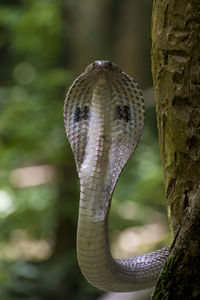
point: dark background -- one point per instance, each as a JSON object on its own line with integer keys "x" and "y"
{"x": 44, "y": 46}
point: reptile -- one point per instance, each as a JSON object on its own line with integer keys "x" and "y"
{"x": 104, "y": 120}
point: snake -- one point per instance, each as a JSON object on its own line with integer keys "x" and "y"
{"x": 104, "y": 120}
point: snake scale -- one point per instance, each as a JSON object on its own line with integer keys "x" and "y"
{"x": 104, "y": 119}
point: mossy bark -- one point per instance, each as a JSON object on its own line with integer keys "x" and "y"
{"x": 176, "y": 74}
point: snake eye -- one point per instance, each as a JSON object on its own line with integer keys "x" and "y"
{"x": 108, "y": 65}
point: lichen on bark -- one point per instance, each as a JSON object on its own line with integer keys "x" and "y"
{"x": 176, "y": 75}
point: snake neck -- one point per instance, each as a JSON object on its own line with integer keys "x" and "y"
{"x": 94, "y": 172}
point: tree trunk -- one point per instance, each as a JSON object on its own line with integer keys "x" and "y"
{"x": 176, "y": 74}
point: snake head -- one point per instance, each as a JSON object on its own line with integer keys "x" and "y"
{"x": 102, "y": 66}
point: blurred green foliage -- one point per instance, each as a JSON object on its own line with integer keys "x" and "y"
{"x": 36, "y": 51}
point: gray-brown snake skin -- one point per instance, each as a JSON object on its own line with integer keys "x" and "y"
{"x": 104, "y": 119}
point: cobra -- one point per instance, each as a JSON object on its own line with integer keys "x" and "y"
{"x": 104, "y": 119}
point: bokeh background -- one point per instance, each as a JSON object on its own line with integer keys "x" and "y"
{"x": 44, "y": 46}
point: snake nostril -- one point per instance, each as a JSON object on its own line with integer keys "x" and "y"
{"x": 109, "y": 64}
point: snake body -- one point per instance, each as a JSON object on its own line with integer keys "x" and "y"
{"x": 104, "y": 119}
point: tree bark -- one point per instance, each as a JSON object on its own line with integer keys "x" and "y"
{"x": 176, "y": 75}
